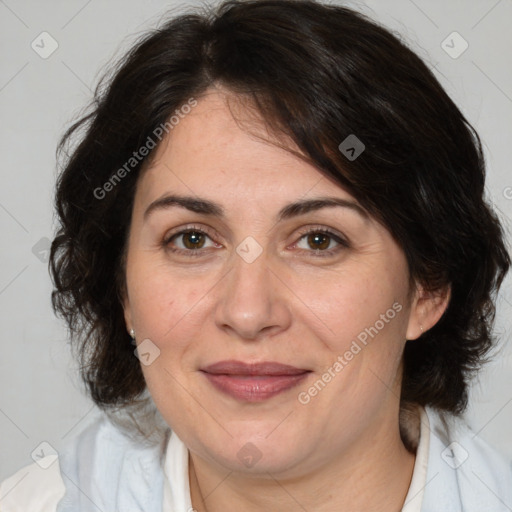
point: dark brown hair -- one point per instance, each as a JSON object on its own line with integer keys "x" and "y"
{"x": 317, "y": 73}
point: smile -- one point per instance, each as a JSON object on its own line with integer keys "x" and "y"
{"x": 253, "y": 382}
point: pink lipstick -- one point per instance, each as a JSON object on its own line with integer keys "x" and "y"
{"x": 253, "y": 382}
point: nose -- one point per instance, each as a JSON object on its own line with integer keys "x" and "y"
{"x": 252, "y": 301}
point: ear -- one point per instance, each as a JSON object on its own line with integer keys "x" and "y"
{"x": 426, "y": 309}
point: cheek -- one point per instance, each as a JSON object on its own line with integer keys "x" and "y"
{"x": 164, "y": 304}
{"x": 350, "y": 303}
{"x": 363, "y": 321}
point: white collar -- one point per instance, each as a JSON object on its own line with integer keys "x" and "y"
{"x": 176, "y": 482}
{"x": 414, "y": 497}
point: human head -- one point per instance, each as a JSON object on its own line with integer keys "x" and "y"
{"x": 317, "y": 74}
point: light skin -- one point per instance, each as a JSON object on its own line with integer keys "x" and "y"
{"x": 301, "y": 302}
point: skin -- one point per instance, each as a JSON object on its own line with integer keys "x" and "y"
{"x": 342, "y": 451}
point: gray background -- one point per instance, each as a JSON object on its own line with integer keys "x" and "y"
{"x": 41, "y": 398}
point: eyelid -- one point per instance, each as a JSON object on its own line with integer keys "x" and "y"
{"x": 187, "y": 228}
{"x": 319, "y": 228}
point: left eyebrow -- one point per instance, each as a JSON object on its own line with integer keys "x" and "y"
{"x": 310, "y": 205}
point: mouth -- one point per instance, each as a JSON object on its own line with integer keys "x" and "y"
{"x": 253, "y": 382}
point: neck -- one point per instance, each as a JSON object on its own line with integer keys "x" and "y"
{"x": 373, "y": 474}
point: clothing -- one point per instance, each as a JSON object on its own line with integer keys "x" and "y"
{"x": 103, "y": 470}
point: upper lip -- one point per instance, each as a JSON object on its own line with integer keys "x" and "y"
{"x": 233, "y": 367}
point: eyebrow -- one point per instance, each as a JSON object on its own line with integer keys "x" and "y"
{"x": 207, "y": 207}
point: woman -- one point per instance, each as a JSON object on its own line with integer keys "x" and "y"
{"x": 279, "y": 208}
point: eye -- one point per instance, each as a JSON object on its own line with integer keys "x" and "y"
{"x": 318, "y": 241}
{"x": 321, "y": 242}
{"x": 189, "y": 241}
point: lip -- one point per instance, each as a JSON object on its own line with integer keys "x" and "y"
{"x": 253, "y": 382}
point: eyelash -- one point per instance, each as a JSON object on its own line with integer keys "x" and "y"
{"x": 308, "y": 231}
{"x": 342, "y": 242}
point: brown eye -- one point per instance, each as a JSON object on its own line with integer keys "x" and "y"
{"x": 193, "y": 239}
{"x": 190, "y": 241}
{"x": 319, "y": 241}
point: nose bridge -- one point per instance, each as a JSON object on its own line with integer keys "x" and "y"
{"x": 250, "y": 301}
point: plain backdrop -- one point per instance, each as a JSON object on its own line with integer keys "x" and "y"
{"x": 41, "y": 398}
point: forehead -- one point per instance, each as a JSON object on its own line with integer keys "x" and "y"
{"x": 222, "y": 149}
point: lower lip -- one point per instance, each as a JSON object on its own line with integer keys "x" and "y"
{"x": 253, "y": 388}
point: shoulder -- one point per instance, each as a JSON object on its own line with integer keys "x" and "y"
{"x": 464, "y": 472}
{"x": 101, "y": 463}
{"x": 37, "y": 487}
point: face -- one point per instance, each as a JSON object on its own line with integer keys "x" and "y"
{"x": 272, "y": 308}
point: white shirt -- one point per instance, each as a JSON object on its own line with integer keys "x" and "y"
{"x": 115, "y": 474}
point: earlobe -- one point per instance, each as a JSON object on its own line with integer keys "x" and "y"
{"x": 427, "y": 309}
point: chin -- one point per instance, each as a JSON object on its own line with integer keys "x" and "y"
{"x": 250, "y": 451}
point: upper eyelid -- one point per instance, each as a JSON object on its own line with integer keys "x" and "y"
{"x": 181, "y": 230}
{"x": 321, "y": 229}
